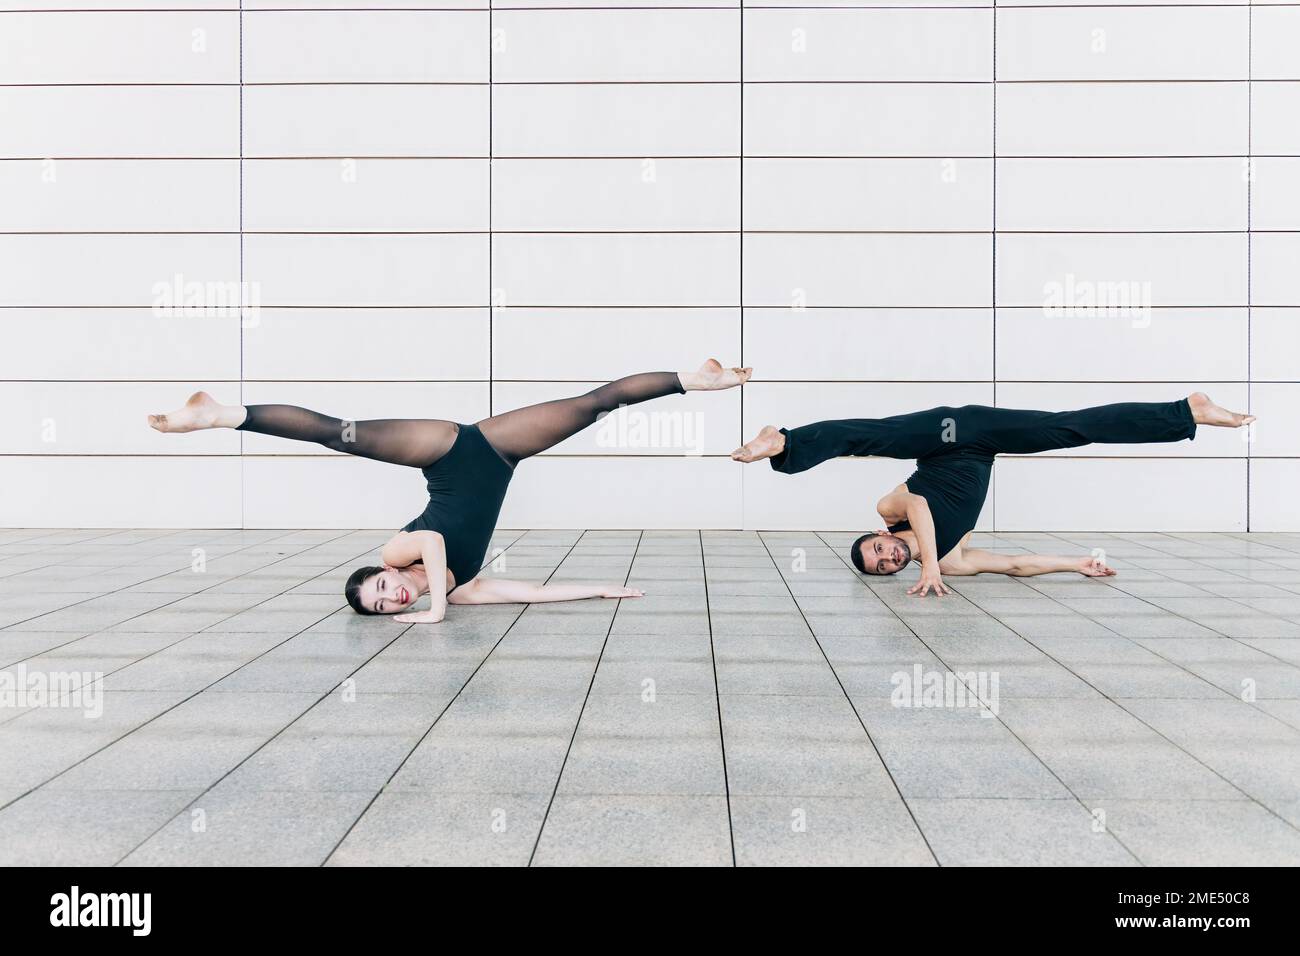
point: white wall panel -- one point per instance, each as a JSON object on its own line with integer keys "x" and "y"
{"x": 1132, "y": 43}
{"x": 365, "y": 345}
{"x": 333, "y": 46}
{"x": 1144, "y": 494}
{"x": 361, "y": 195}
{"x": 615, "y": 194}
{"x": 1275, "y": 193}
{"x": 868, "y": 119}
{"x": 388, "y": 270}
{"x": 594, "y": 493}
{"x": 1277, "y": 433}
{"x": 1275, "y": 345}
{"x": 1122, "y": 119}
{"x": 104, "y": 344}
{"x": 1275, "y": 280}
{"x": 365, "y": 120}
{"x": 622, "y": 269}
{"x": 119, "y": 195}
{"x": 568, "y": 344}
{"x": 1205, "y": 345}
{"x": 1188, "y": 269}
{"x": 94, "y": 270}
{"x": 106, "y": 418}
{"x": 108, "y": 492}
{"x": 1121, "y": 194}
{"x": 866, "y": 44}
{"x": 1273, "y": 484}
{"x": 616, "y": 119}
{"x": 853, "y": 344}
{"x": 868, "y": 270}
{"x": 120, "y": 47}
{"x": 868, "y": 194}
{"x": 119, "y": 121}
{"x": 628, "y": 45}
{"x": 1275, "y": 35}
{"x": 328, "y": 492}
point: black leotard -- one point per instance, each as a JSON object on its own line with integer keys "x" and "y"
{"x": 466, "y": 488}
{"x": 954, "y": 486}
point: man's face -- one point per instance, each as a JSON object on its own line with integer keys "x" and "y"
{"x": 885, "y": 554}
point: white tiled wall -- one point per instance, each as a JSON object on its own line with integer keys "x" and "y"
{"x": 453, "y": 208}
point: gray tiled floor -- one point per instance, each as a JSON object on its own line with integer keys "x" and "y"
{"x": 741, "y": 713}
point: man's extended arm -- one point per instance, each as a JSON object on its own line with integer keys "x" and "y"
{"x": 978, "y": 561}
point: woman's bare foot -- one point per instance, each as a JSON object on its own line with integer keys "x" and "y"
{"x": 1205, "y": 412}
{"x": 200, "y": 412}
{"x": 712, "y": 377}
{"x": 765, "y": 444}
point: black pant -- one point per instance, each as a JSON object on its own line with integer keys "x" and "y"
{"x": 983, "y": 431}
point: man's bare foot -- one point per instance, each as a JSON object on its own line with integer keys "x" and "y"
{"x": 1205, "y": 412}
{"x": 765, "y": 444}
{"x": 712, "y": 377}
{"x": 200, "y": 412}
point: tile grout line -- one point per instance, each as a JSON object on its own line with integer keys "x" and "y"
{"x": 717, "y": 698}
{"x": 577, "y": 724}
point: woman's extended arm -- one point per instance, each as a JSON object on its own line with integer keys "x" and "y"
{"x": 501, "y": 591}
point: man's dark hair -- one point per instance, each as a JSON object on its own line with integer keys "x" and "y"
{"x": 855, "y": 552}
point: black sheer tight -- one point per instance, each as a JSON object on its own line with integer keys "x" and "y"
{"x": 419, "y": 442}
{"x": 525, "y": 432}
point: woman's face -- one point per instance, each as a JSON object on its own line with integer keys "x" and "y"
{"x": 390, "y": 591}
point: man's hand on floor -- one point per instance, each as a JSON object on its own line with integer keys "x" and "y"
{"x": 930, "y": 578}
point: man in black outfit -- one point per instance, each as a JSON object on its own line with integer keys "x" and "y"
{"x": 930, "y": 516}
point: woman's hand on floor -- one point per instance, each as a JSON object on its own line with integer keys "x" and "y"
{"x": 618, "y": 591}
{"x": 419, "y": 617}
{"x": 1094, "y": 566}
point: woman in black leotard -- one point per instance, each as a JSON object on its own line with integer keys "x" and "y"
{"x": 468, "y": 469}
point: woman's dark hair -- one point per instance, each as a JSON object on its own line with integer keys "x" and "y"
{"x": 855, "y": 552}
{"x": 352, "y": 590}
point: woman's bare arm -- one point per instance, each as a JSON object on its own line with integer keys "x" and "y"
{"x": 501, "y": 591}
{"x": 402, "y": 550}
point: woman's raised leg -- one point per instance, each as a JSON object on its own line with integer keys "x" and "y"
{"x": 525, "y": 432}
{"x": 417, "y": 442}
